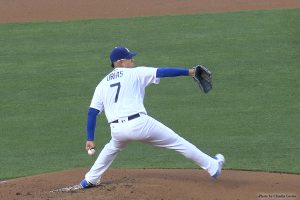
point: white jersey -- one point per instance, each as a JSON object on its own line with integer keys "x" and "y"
{"x": 121, "y": 92}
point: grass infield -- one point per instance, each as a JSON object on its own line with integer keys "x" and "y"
{"x": 49, "y": 71}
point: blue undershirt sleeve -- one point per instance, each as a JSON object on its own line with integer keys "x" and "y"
{"x": 171, "y": 72}
{"x": 91, "y": 123}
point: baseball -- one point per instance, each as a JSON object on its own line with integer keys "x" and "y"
{"x": 91, "y": 152}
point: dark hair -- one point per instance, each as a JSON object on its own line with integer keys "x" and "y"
{"x": 112, "y": 65}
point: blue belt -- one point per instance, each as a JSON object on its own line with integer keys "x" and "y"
{"x": 129, "y": 118}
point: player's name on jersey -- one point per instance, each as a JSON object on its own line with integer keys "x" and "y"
{"x": 114, "y": 75}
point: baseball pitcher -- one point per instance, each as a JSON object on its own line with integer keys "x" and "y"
{"x": 120, "y": 94}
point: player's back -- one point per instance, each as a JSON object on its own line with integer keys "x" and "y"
{"x": 122, "y": 91}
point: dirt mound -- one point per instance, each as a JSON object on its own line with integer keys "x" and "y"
{"x": 159, "y": 184}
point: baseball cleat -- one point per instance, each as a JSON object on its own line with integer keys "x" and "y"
{"x": 221, "y": 160}
{"x": 85, "y": 184}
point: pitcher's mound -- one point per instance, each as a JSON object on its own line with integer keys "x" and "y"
{"x": 155, "y": 184}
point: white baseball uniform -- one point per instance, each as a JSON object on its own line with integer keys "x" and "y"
{"x": 120, "y": 95}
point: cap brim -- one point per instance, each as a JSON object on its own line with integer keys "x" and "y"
{"x": 131, "y": 55}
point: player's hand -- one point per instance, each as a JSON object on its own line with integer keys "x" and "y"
{"x": 89, "y": 145}
{"x": 192, "y": 72}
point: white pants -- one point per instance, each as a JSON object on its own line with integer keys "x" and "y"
{"x": 147, "y": 130}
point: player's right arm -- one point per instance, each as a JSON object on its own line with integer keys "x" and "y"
{"x": 173, "y": 72}
{"x": 149, "y": 75}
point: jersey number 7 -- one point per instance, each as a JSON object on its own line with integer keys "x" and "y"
{"x": 118, "y": 85}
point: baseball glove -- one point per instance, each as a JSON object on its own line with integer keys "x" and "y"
{"x": 203, "y": 78}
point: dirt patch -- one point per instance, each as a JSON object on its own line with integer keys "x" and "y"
{"x": 57, "y": 10}
{"x": 158, "y": 184}
{"x": 151, "y": 183}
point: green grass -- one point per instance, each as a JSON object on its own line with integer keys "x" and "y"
{"x": 48, "y": 73}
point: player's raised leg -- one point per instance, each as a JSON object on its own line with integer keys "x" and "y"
{"x": 162, "y": 136}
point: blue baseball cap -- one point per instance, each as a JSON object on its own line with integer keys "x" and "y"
{"x": 119, "y": 53}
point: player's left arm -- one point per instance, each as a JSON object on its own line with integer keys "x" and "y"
{"x": 91, "y": 123}
{"x": 90, "y": 127}
{"x": 173, "y": 72}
